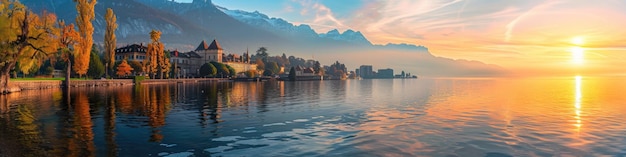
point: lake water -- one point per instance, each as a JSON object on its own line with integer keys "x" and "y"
{"x": 569, "y": 116}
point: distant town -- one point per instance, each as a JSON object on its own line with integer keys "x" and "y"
{"x": 260, "y": 64}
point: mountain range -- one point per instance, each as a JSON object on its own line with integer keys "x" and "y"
{"x": 184, "y": 25}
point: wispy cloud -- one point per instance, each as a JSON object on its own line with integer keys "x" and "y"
{"x": 323, "y": 17}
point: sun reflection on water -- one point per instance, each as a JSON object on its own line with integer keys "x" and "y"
{"x": 577, "y": 103}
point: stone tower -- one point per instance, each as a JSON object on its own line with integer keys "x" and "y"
{"x": 212, "y": 52}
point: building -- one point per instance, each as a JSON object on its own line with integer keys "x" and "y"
{"x": 240, "y": 63}
{"x": 212, "y": 52}
{"x": 134, "y": 52}
{"x": 366, "y": 71}
{"x": 385, "y": 73}
{"x": 186, "y": 63}
{"x": 303, "y": 73}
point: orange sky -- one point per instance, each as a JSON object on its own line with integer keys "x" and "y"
{"x": 529, "y": 37}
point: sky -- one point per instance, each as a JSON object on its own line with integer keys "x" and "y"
{"x": 529, "y": 36}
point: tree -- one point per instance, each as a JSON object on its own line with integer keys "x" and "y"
{"x": 262, "y": 54}
{"x": 207, "y": 69}
{"x": 96, "y": 68}
{"x": 84, "y": 18}
{"x": 154, "y": 56}
{"x": 273, "y": 68}
{"x": 292, "y": 74}
{"x": 109, "y": 38}
{"x": 259, "y": 64}
{"x": 68, "y": 38}
{"x": 123, "y": 69}
{"x": 136, "y": 65}
{"x": 317, "y": 67}
{"x": 285, "y": 61}
{"x": 222, "y": 69}
{"x": 231, "y": 70}
{"x": 25, "y": 37}
{"x": 250, "y": 73}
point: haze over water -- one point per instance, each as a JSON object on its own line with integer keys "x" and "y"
{"x": 577, "y": 116}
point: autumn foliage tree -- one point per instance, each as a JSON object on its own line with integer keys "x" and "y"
{"x": 109, "y": 37}
{"x": 84, "y": 18}
{"x": 25, "y": 37}
{"x": 68, "y": 37}
{"x": 156, "y": 62}
{"x": 124, "y": 69}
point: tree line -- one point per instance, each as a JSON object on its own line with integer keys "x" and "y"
{"x": 270, "y": 65}
{"x": 30, "y": 41}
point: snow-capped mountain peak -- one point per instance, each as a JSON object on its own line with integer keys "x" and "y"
{"x": 348, "y": 35}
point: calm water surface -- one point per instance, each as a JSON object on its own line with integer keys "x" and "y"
{"x": 575, "y": 116}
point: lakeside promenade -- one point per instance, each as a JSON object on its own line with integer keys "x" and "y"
{"x": 20, "y": 85}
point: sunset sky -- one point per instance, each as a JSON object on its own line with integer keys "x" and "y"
{"x": 530, "y": 36}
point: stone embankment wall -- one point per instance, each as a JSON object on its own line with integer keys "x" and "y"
{"x": 193, "y": 80}
{"x": 46, "y": 84}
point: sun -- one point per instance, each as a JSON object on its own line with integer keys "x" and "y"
{"x": 578, "y": 41}
{"x": 578, "y": 55}
{"x": 578, "y": 52}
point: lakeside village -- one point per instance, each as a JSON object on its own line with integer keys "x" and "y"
{"x": 40, "y": 46}
{"x": 209, "y": 60}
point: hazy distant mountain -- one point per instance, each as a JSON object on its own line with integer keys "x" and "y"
{"x": 184, "y": 25}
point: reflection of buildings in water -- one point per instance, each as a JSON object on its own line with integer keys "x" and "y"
{"x": 211, "y": 109}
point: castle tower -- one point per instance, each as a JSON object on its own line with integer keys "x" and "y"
{"x": 212, "y": 52}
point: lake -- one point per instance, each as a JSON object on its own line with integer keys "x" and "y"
{"x": 566, "y": 116}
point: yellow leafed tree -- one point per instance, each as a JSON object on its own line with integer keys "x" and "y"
{"x": 109, "y": 37}
{"x": 67, "y": 39}
{"x": 25, "y": 37}
{"x": 154, "y": 53}
{"x": 84, "y": 17}
{"x": 124, "y": 69}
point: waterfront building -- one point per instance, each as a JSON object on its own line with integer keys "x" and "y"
{"x": 385, "y": 73}
{"x": 188, "y": 63}
{"x": 134, "y": 52}
{"x": 366, "y": 71}
{"x": 212, "y": 52}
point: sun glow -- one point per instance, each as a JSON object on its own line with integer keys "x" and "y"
{"x": 578, "y": 41}
{"x": 578, "y": 53}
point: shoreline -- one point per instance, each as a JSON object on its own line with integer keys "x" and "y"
{"x": 21, "y": 85}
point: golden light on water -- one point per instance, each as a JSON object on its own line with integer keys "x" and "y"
{"x": 577, "y": 102}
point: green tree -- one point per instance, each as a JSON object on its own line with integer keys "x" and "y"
{"x": 273, "y": 68}
{"x": 262, "y": 54}
{"x": 250, "y": 73}
{"x": 231, "y": 70}
{"x": 292, "y": 74}
{"x": 207, "y": 69}
{"x": 222, "y": 70}
{"x": 96, "y": 67}
{"x": 317, "y": 67}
